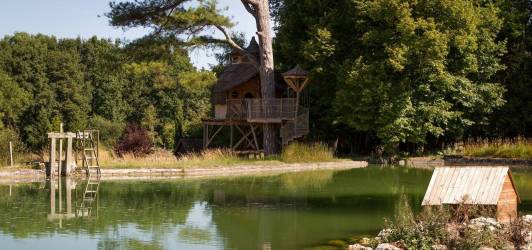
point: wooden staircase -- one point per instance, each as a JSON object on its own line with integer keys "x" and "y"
{"x": 297, "y": 128}
{"x": 89, "y": 143}
{"x": 89, "y": 197}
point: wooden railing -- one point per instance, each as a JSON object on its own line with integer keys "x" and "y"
{"x": 262, "y": 110}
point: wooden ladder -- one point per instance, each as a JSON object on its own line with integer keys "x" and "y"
{"x": 89, "y": 197}
{"x": 90, "y": 151}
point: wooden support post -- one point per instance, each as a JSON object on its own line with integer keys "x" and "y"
{"x": 254, "y": 137}
{"x": 59, "y": 165}
{"x": 11, "y": 153}
{"x": 52, "y": 158}
{"x": 68, "y": 158}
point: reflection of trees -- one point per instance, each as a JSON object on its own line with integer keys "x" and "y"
{"x": 195, "y": 234}
{"x": 149, "y": 205}
{"x": 130, "y": 244}
{"x": 306, "y": 180}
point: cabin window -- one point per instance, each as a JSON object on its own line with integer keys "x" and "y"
{"x": 248, "y": 96}
{"x": 236, "y": 59}
{"x": 234, "y": 95}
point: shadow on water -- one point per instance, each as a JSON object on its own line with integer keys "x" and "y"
{"x": 287, "y": 211}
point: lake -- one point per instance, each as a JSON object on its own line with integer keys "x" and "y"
{"x": 287, "y": 211}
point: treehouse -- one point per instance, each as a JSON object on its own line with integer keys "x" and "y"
{"x": 239, "y": 106}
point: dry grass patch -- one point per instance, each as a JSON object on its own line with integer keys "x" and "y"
{"x": 517, "y": 148}
{"x": 305, "y": 153}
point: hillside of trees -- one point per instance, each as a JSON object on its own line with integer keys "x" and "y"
{"x": 99, "y": 84}
{"x": 389, "y": 75}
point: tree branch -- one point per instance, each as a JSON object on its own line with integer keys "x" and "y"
{"x": 249, "y": 7}
{"x": 237, "y": 47}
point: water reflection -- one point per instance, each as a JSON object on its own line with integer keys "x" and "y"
{"x": 63, "y": 197}
{"x": 289, "y": 211}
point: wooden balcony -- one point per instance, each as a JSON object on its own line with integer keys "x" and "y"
{"x": 262, "y": 110}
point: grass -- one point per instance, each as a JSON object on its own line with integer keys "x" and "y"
{"x": 518, "y": 148}
{"x": 449, "y": 226}
{"x": 294, "y": 153}
{"x": 160, "y": 158}
{"x": 306, "y": 153}
{"x": 165, "y": 159}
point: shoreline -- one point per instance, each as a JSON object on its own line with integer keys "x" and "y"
{"x": 30, "y": 175}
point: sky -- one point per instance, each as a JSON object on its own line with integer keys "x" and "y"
{"x": 85, "y": 18}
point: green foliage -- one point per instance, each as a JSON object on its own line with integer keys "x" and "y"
{"x": 439, "y": 226}
{"x": 171, "y": 19}
{"x": 100, "y": 84}
{"x": 110, "y": 131}
{"x": 6, "y": 136}
{"x": 13, "y": 100}
{"x": 396, "y": 72}
{"x": 299, "y": 152}
{"x": 421, "y": 72}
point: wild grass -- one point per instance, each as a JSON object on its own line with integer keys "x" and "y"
{"x": 306, "y": 153}
{"x": 294, "y": 153}
{"x": 448, "y": 226}
{"x": 165, "y": 159}
{"x": 517, "y": 148}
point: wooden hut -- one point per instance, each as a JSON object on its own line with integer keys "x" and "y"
{"x": 238, "y": 105}
{"x": 482, "y": 186}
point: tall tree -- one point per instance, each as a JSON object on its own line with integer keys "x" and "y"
{"x": 403, "y": 71}
{"x": 172, "y": 18}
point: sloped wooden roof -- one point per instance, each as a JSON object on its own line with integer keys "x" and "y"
{"x": 296, "y": 71}
{"x": 468, "y": 185}
{"x": 234, "y": 75}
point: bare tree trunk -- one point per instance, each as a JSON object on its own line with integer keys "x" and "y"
{"x": 267, "y": 76}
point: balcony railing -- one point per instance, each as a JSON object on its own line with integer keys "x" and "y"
{"x": 262, "y": 110}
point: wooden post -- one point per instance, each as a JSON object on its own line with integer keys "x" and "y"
{"x": 52, "y": 157}
{"x": 68, "y": 158}
{"x": 11, "y": 153}
{"x": 59, "y": 164}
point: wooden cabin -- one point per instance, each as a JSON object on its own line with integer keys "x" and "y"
{"x": 481, "y": 186}
{"x": 238, "y": 104}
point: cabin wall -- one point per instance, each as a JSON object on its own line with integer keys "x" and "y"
{"x": 507, "y": 204}
{"x": 220, "y": 111}
{"x": 251, "y": 87}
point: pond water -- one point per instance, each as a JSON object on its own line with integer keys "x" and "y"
{"x": 287, "y": 211}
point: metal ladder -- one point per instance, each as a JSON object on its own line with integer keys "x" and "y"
{"x": 90, "y": 145}
{"x": 89, "y": 197}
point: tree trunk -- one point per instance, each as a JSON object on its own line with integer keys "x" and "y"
{"x": 266, "y": 71}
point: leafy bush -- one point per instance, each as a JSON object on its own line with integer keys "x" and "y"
{"x": 443, "y": 225}
{"x": 7, "y": 135}
{"x": 299, "y": 152}
{"x": 110, "y": 131}
{"x": 135, "y": 140}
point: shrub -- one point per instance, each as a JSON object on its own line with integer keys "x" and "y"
{"x": 135, "y": 140}
{"x": 444, "y": 225}
{"x": 110, "y": 131}
{"x": 299, "y": 152}
{"x": 7, "y": 135}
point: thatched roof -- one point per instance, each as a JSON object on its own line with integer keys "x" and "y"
{"x": 296, "y": 71}
{"x": 234, "y": 75}
{"x": 468, "y": 185}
